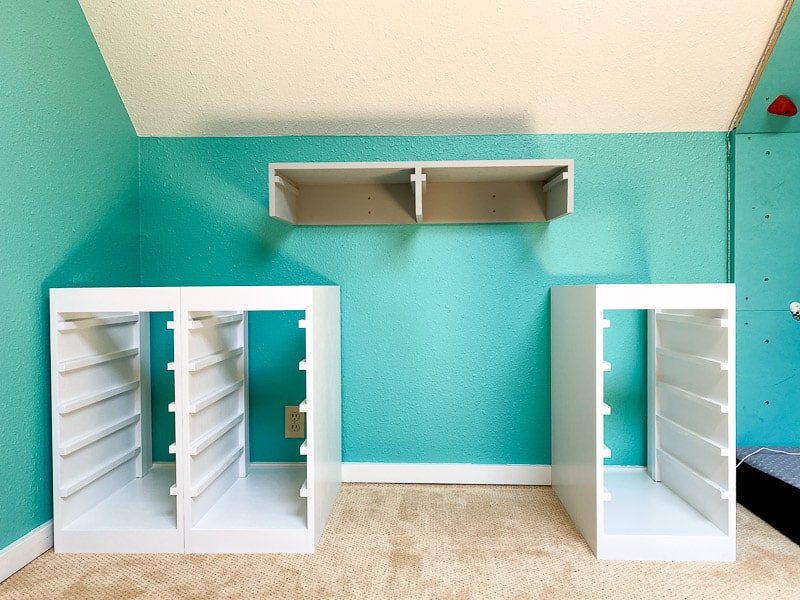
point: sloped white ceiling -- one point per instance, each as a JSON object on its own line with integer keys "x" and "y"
{"x": 423, "y": 67}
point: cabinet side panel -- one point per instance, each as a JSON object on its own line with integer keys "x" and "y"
{"x": 325, "y": 405}
{"x": 145, "y": 425}
{"x": 282, "y": 198}
{"x": 560, "y": 199}
{"x": 574, "y": 405}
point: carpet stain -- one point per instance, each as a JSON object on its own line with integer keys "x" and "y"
{"x": 96, "y": 585}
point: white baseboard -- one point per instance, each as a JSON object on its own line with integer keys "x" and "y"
{"x": 358, "y": 472}
{"x": 18, "y": 554}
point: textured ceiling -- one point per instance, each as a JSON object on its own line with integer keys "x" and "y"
{"x": 422, "y": 67}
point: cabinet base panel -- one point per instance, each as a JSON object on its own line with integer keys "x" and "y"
{"x": 268, "y": 498}
{"x": 140, "y": 517}
{"x": 645, "y": 520}
{"x": 260, "y": 513}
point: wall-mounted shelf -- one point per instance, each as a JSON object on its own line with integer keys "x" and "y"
{"x": 373, "y": 193}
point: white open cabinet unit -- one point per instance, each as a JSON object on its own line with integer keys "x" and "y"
{"x": 481, "y": 191}
{"x": 232, "y": 505}
{"x": 108, "y": 494}
{"x": 682, "y": 505}
{"x": 221, "y": 502}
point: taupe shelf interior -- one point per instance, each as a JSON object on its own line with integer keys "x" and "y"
{"x": 364, "y": 193}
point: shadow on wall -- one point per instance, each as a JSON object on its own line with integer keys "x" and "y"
{"x": 205, "y": 217}
{"x": 499, "y": 123}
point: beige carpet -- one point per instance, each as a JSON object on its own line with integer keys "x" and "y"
{"x": 427, "y": 541}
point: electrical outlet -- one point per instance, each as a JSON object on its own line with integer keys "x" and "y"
{"x": 295, "y": 422}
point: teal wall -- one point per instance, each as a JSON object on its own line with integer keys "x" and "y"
{"x": 69, "y": 194}
{"x": 445, "y": 329}
{"x": 766, "y": 244}
{"x": 767, "y": 276}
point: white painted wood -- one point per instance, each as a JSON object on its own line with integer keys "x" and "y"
{"x": 212, "y": 436}
{"x": 143, "y": 431}
{"x": 96, "y": 359}
{"x": 216, "y": 395}
{"x": 560, "y": 200}
{"x": 576, "y": 405}
{"x": 642, "y": 506}
{"x": 27, "y": 548}
{"x": 681, "y": 505}
{"x": 688, "y": 319}
{"x": 108, "y": 496}
{"x": 701, "y": 360}
{"x": 100, "y": 379}
{"x": 260, "y": 513}
{"x": 139, "y": 517}
{"x": 217, "y": 409}
{"x": 418, "y": 185}
{"x": 284, "y": 206}
{"x": 646, "y": 520}
{"x": 674, "y": 390}
{"x": 214, "y": 321}
{"x": 217, "y": 470}
{"x": 440, "y": 192}
{"x": 212, "y": 359}
{"x": 95, "y": 321}
{"x": 216, "y": 437}
{"x": 447, "y": 473}
{"x": 126, "y": 510}
{"x": 93, "y": 436}
{"x": 83, "y": 402}
{"x": 323, "y": 406}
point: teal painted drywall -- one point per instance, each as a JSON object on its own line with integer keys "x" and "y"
{"x": 768, "y": 378}
{"x": 778, "y": 78}
{"x": 766, "y": 227}
{"x": 68, "y": 187}
{"x": 767, "y": 276}
{"x": 767, "y": 221}
{"x": 625, "y": 386}
{"x": 445, "y": 329}
{"x": 162, "y": 386}
{"x": 275, "y": 348}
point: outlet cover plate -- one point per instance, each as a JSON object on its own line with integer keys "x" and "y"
{"x": 295, "y": 422}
